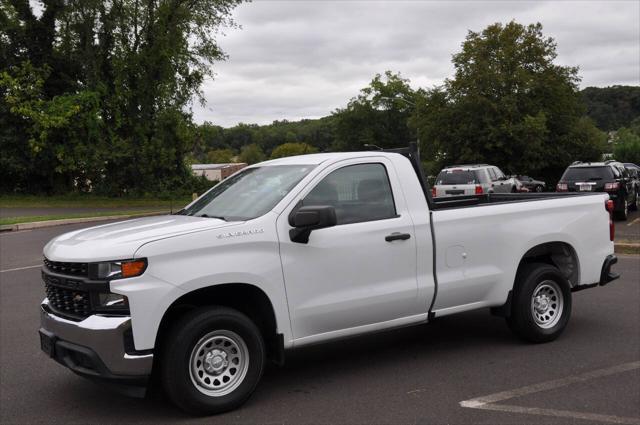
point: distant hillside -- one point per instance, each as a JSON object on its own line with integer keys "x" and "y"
{"x": 612, "y": 107}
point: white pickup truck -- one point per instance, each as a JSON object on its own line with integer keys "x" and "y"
{"x": 303, "y": 250}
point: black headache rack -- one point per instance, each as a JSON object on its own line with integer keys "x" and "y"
{"x": 413, "y": 154}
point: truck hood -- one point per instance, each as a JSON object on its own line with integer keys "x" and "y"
{"x": 118, "y": 241}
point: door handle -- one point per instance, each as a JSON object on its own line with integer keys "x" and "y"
{"x": 396, "y": 236}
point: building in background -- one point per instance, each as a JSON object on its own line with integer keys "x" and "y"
{"x": 216, "y": 172}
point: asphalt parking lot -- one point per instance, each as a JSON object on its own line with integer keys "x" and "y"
{"x": 629, "y": 230}
{"x": 459, "y": 369}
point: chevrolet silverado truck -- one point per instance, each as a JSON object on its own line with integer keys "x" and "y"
{"x": 303, "y": 250}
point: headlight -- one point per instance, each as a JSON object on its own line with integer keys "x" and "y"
{"x": 120, "y": 269}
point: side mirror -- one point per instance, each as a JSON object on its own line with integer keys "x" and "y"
{"x": 306, "y": 219}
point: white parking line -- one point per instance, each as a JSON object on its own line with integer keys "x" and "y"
{"x": 561, "y": 414}
{"x": 637, "y": 220}
{"x": 20, "y": 268}
{"x": 488, "y": 402}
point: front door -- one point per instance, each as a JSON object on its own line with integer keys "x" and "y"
{"x": 361, "y": 271}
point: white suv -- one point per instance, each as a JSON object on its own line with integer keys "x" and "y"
{"x": 470, "y": 179}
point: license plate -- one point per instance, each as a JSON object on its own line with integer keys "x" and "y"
{"x": 585, "y": 188}
{"x": 454, "y": 192}
{"x": 48, "y": 343}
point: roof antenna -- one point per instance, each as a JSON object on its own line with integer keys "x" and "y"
{"x": 367, "y": 145}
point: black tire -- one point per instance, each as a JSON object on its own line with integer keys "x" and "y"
{"x": 539, "y": 189}
{"x": 197, "y": 327}
{"x": 634, "y": 205}
{"x": 525, "y": 319}
{"x": 623, "y": 213}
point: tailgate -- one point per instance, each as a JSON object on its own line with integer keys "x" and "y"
{"x": 455, "y": 190}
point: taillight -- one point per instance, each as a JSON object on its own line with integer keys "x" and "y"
{"x": 562, "y": 187}
{"x": 611, "y": 187}
{"x": 478, "y": 189}
{"x": 608, "y": 205}
{"x": 433, "y": 192}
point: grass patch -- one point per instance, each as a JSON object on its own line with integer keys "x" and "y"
{"x": 30, "y": 219}
{"x": 87, "y": 201}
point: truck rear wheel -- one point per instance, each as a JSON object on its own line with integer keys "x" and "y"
{"x": 212, "y": 360}
{"x": 541, "y": 303}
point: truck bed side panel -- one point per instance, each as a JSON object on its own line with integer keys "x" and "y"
{"x": 479, "y": 248}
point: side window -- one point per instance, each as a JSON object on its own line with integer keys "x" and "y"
{"x": 624, "y": 172}
{"x": 499, "y": 173}
{"x": 358, "y": 193}
{"x": 616, "y": 172}
{"x": 492, "y": 174}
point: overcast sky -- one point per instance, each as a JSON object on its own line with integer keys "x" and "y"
{"x": 302, "y": 59}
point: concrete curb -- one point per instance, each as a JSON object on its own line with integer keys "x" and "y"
{"x": 51, "y": 223}
{"x": 627, "y": 248}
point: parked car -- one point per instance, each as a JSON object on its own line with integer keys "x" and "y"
{"x": 303, "y": 250}
{"x": 473, "y": 179}
{"x": 631, "y": 165}
{"x": 634, "y": 171}
{"x": 531, "y": 184}
{"x": 609, "y": 176}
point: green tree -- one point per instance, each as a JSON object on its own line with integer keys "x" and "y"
{"x": 612, "y": 107}
{"x": 291, "y": 149}
{"x": 114, "y": 85}
{"x": 376, "y": 116}
{"x": 626, "y": 146}
{"x": 251, "y": 154}
{"x": 73, "y": 117}
{"x": 509, "y": 104}
{"x": 221, "y": 156}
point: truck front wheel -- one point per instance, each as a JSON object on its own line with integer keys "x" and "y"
{"x": 541, "y": 304}
{"x": 212, "y": 360}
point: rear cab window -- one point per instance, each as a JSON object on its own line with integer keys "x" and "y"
{"x": 588, "y": 174}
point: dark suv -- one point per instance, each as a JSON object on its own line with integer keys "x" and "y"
{"x": 609, "y": 176}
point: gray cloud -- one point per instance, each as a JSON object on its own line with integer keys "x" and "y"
{"x": 303, "y": 59}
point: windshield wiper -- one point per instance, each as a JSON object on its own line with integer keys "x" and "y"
{"x": 212, "y": 216}
{"x": 595, "y": 178}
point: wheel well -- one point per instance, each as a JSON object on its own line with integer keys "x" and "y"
{"x": 246, "y": 298}
{"x": 558, "y": 254}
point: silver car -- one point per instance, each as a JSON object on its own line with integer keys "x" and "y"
{"x": 473, "y": 179}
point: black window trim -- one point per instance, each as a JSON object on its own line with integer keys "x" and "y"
{"x": 386, "y": 172}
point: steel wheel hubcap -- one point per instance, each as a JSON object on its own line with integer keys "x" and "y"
{"x": 547, "y": 304}
{"x": 218, "y": 363}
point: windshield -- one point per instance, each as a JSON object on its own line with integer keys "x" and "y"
{"x": 248, "y": 194}
{"x": 587, "y": 173}
{"x": 456, "y": 177}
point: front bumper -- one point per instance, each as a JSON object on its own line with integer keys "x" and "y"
{"x": 99, "y": 347}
